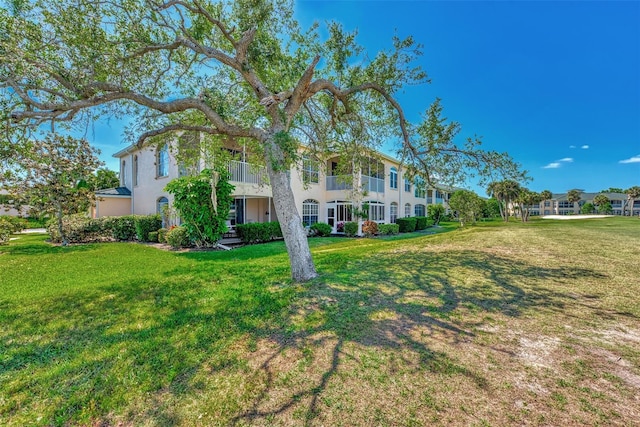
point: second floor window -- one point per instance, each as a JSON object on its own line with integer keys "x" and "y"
{"x": 310, "y": 171}
{"x": 407, "y": 185}
{"x": 420, "y": 191}
{"x": 393, "y": 178}
{"x": 162, "y": 161}
{"x": 135, "y": 170}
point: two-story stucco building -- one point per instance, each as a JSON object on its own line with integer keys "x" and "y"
{"x": 321, "y": 195}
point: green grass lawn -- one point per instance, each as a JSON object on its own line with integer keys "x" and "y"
{"x": 499, "y": 324}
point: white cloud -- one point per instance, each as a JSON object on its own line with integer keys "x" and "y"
{"x": 585, "y": 147}
{"x": 554, "y": 165}
{"x": 567, "y": 160}
{"x": 572, "y": 146}
{"x": 634, "y": 159}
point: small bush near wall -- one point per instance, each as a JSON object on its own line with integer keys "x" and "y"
{"x": 388, "y": 229}
{"x": 162, "y": 235}
{"x": 370, "y": 228}
{"x": 321, "y": 229}
{"x": 122, "y": 227}
{"x": 350, "y": 228}
{"x": 422, "y": 222}
{"x": 146, "y": 224}
{"x": 178, "y": 237}
{"x": 406, "y": 225}
{"x": 258, "y": 232}
{"x": 153, "y": 236}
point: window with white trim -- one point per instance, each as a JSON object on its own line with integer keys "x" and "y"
{"x": 420, "y": 191}
{"x": 310, "y": 212}
{"x": 393, "y": 178}
{"x": 419, "y": 209}
{"x": 162, "y": 161}
{"x": 376, "y": 211}
{"x": 310, "y": 171}
{"x": 393, "y": 212}
{"x": 407, "y": 185}
{"x": 407, "y": 210}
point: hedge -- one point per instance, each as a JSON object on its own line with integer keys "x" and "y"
{"x": 321, "y": 229}
{"x": 258, "y": 232}
{"x": 406, "y": 225}
{"x": 145, "y": 225}
{"x": 80, "y": 229}
{"x": 422, "y": 222}
{"x": 388, "y": 229}
{"x": 350, "y": 228}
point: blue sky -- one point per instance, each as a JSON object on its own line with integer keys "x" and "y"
{"x": 555, "y": 84}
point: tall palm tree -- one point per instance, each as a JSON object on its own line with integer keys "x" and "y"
{"x": 601, "y": 202}
{"x": 505, "y": 192}
{"x": 633, "y": 193}
{"x": 545, "y": 195}
{"x": 574, "y": 196}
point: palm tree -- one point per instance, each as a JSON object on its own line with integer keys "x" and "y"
{"x": 574, "y": 196}
{"x": 633, "y": 193}
{"x": 601, "y": 202}
{"x": 505, "y": 192}
{"x": 546, "y": 195}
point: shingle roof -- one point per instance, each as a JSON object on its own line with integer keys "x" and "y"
{"x": 118, "y": 191}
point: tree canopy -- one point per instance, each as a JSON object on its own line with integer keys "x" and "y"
{"x": 234, "y": 70}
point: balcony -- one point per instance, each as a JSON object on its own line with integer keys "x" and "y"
{"x": 369, "y": 183}
{"x": 247, "y": 173}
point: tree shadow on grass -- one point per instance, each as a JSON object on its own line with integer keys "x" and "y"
{"x": 96, "y": 353}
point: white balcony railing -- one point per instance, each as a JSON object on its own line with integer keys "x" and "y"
{"x": 247, "y": 172}
{"x": 369, "y": 183}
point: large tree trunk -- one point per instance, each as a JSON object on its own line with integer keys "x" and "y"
{"x": 295, "y": 237}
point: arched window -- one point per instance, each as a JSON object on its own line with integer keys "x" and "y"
{"x": 135, "y": 170}
{"x": 309, "y": 212}
{"x": 393, "y": 212}
{"x": 419, "y": 210}
{"x": 393, "y": 178}
{"x": 162, "y": 161}
{"x": 407, "y": 210}
{"x": 161, "y": 205}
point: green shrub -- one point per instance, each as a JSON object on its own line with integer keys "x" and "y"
{"x": 5, "y": 231}
{"x": 162, "y": 235}
{"x": 350, "y": 228}
{"x": 14, "y": 223}
{"x": 321, "y": 229}
{"x": 389, "y": 229}
{"x": 122, "y": 227}
{"x": 370, "y": 228}
{"x": 153, "y": 236}
{"x": 422, "y": 222}
{"x": 178, "y": 237}
{"x": 258, "y": 232}
{"x": 406, "y": 225}
{"x": 145, "y": 224}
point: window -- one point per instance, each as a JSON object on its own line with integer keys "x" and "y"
{"x": 393, "y": 178}
{"x": 376, "y": 211}
{"x": 135, "y": 170}
{"x": 123, "y": 175}
{"x": 419, "y": 210}
{"x": 393, "y": 212}
{"x": 309, "y": 212}
{"x": 310, "y": 171}
{"x": 407, "y": 185}
{"x": 407, "y": 210}
{"x": 420, "y": 191}
{"x": 162, "y": 161}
